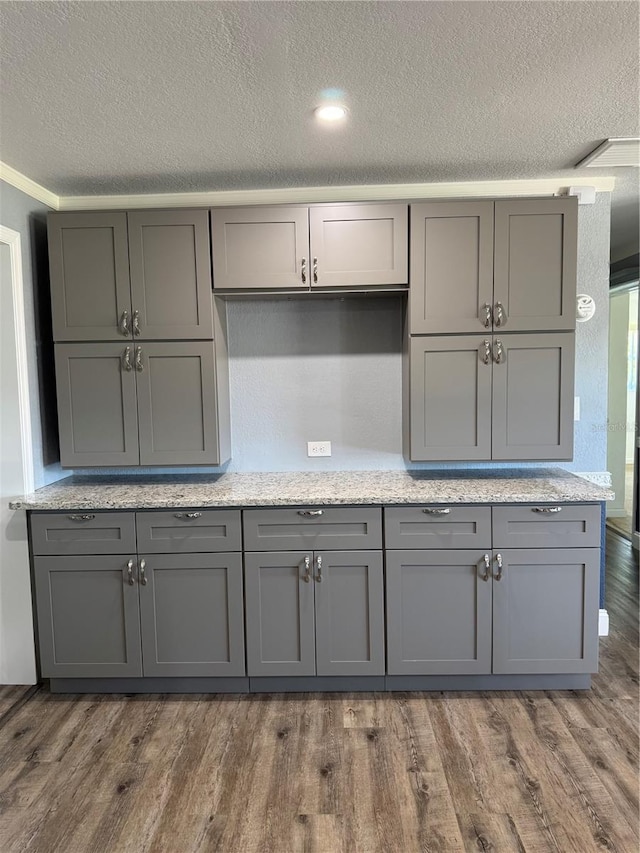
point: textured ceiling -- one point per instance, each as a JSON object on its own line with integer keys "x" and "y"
{"x": 123, "y": 97}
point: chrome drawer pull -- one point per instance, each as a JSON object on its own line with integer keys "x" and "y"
{"x": 135, "y": 323}
{"x": 310, "y": 512}
{"x": 307, "y": 569}
{"x": 500, "y": 315}
{"x": 315, "y": 270}
{"x": 486, "y": 357}
{"x": 319, "y": 565}
{"x": 303, "y": 271}
{"x": 437, "y": 510}
{"x": 123, "y": 325}
{"x": 143, "y": 577}
{"x": 547, "y": 509}
{"x": 486, "y": 320}
{"x": 498, "y": 576}
{"x": 130, "y": 572}
{"x": 189, "y": 515}
{"x": 81, "y": 517}
{"x": 487, "y": 568}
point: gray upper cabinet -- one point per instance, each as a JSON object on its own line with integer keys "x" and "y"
{"x": 301, "y": 248}
{"x": 170, "y": 274}
{"x": 97, "y": 410}
{"x": 498, "y": 397}
{"x": 177, "y": 405}
{"x": 260, "y": 248}
{"x": 89, "y": 269}
{"x": 450, "y": 398}
{"x": 545, "y": 610}
{"x": 139, "y": 274}
{"x": 533, "y": 396}
{"x": 451, "y": 266}
{"x": 535, "y": 263}
{"x": 353, "y": 245}
{"x": 504, "y": 265}
{"x": 191, "y": 612}
{"x": 88, "y": 620}
{"x": 438, "y": 612}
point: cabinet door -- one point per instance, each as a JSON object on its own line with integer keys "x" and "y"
{"x": 533, "y": 384}
{"x": 260, "y": 248}
{"x": 171, "y": 273}
{"x": 353, "y": 245}
{"x": 545, "y": 611}
{"x": 438, "y": 613}
{"x": 451, "y": 266}
{"x": 96, "y": 404}
{"x": 535, "y": 263}
{"x": 450, "y": 398}
{"x": 279, "y": 614}
{"x": 177, "y": 405}
{"x": 349, "y": 613}
{"x": 89, "y": 269}
{"x": 88, "y": 618}
{"x": 191, "y": 613}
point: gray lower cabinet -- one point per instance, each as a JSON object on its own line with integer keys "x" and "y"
{"x": 191, "y": 613}
{"x": 314, "y": 613}
{"x": 88, "y": 617}
{"x": 438, "y": 612}
{"x": 130, "y": 404}
{"x": 494, "y": 397}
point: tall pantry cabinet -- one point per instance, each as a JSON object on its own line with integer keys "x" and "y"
{"x": 491, "y": 331}
{"x": 140, "y": 347}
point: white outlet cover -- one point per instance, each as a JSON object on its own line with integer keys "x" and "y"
{"x": 318, "y": 448}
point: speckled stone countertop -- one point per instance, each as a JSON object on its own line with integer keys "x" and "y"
{"x": 313, "y": 488}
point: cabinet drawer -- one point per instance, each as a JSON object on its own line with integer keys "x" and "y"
{"x": 437, "y": 527}
{"x": 547, "y": 526}
{"x": 188, "y": 531}
{"x": 83, "y": 533}
{"x": 329, "y": 528}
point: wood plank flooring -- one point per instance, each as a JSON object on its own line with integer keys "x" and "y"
{"x": 363, "y": 773}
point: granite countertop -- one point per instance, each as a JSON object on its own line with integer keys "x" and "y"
{"x": 313, "y": 488}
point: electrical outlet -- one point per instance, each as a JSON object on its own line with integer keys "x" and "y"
{"x": 318, "y": 448}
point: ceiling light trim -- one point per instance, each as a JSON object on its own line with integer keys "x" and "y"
{"x": 26, "y": 185}
{"x": 310, "y": 195}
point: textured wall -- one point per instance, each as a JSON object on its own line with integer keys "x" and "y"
{"x": 22, "y": 213}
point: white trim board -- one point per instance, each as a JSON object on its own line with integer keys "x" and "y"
{"x": 301, "y": 195}
{"x": 13, "y": 240}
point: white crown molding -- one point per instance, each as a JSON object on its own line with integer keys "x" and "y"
{"x": 26, "y": 185}
{"x": 300, "y": 195}
{"x": 309, "y": 195}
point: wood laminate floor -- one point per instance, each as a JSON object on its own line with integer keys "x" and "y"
{"x": 368, "y": 773}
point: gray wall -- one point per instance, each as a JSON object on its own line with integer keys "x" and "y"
{"x": 22, "y": 213}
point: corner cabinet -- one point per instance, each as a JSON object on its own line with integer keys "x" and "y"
{"x": 160, "y": 395}
{"x": 309, "y": 248}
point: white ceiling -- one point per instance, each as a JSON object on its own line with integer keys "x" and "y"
{"x": 121, "y": 97}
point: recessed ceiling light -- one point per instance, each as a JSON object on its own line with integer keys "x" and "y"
{"x": 614, "y": 152}
{"x": 330, "y": 112}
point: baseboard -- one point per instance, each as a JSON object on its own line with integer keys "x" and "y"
{"x": 635, "y": 541}
{"x": 603, "y": 623}
{"x": 615, "y": 513}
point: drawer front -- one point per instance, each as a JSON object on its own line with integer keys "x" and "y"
{"x": 547, "y": 526}
{"x": 83, "y": 533}
{"x": 188, "y": 531}
{"x": 326, "y": 528}
{"x": 437, "y": 527}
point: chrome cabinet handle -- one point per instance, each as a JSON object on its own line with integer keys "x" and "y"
{"x": 487, "y": 568}
{"x": 143, "y": 577}
{"x": 307, "y": 569}
{"x": 315, "y": 270}
{"x": 188, "y": 515}
{"x": 135, "y": 323}
{"x": 498, "y": 353}
{"x": 547, "y": 509}
{"x": 437, "y": 510}
{"x": 123, "y": 325}
{"x": 303, "y": 271}
{"x": 486, "y": 354}
{"x": 139, "y": 364}
{"x": 310, "y": 512}
{"x": 126, "y": 359}
{"x": 500, "y": 315}
{"x": 81, "y": 517}
{"x": 130, "y": 572}
{"x": 498, "y": 576}
{"x": 486, "y": 320}
{"x": 319, "y": 565}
